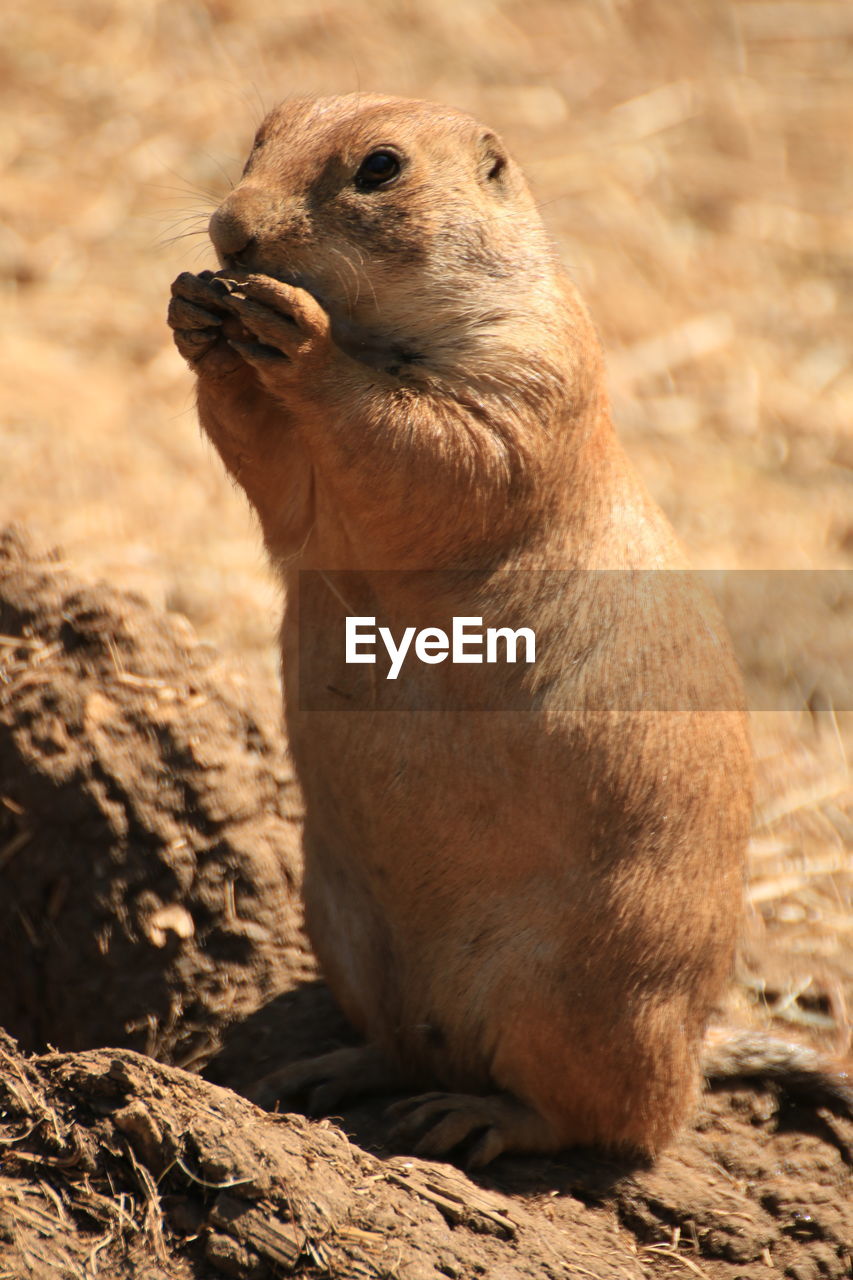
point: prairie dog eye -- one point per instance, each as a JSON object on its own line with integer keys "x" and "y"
{"x": 377, "y": 169}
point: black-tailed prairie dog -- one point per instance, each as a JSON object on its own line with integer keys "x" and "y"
{"x": 522, "y": 879}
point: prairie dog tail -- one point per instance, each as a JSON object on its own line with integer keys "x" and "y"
{"x": 802, "y": 1073}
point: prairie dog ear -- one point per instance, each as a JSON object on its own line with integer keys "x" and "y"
{"x": 492, "y": 160}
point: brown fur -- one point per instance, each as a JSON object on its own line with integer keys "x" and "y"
{"x": 537, "y": 904}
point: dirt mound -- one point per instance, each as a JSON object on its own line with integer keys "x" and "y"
{"x": 120, "y": 1166}
{"x": 149, "y": 834}
{"x": 149, "y": 823}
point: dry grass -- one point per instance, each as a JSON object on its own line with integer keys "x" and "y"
{"x": 797, "y": 965}
{"x": 694, "y": 163}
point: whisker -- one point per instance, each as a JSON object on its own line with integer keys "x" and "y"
{"x": 210, "y": 195}
{"x": 185, "y": 189}
{"x": 258, "y": 104}
{"x": 364, "y": 274}
{"x": 188, "y": 212}
{"x": 229, "y": 181}
{"x": 167, "y": 241}
{"x": 187, "y": 222}
{"x": 346, "y": 290}
{"x": 199, "y": 252}
{"x": 351, "y": 301}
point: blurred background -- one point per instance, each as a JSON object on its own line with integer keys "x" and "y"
{"x": 694, "y": 164}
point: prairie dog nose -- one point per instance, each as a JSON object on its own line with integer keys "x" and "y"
{"x": 237, "y": 221}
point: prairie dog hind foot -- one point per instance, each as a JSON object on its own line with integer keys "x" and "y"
{"x": 328, "y": 1079}
{"x": 465, "y": 1128}
{"x": 469, "y": 1129}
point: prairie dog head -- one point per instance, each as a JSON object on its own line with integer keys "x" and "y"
{"x": 409, "y": 222}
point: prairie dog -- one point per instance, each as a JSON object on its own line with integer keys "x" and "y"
{"x": 530, "y": 908}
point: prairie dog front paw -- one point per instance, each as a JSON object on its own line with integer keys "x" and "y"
{"x": 286, "y": 333}
{"x": 200, "y": 324}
